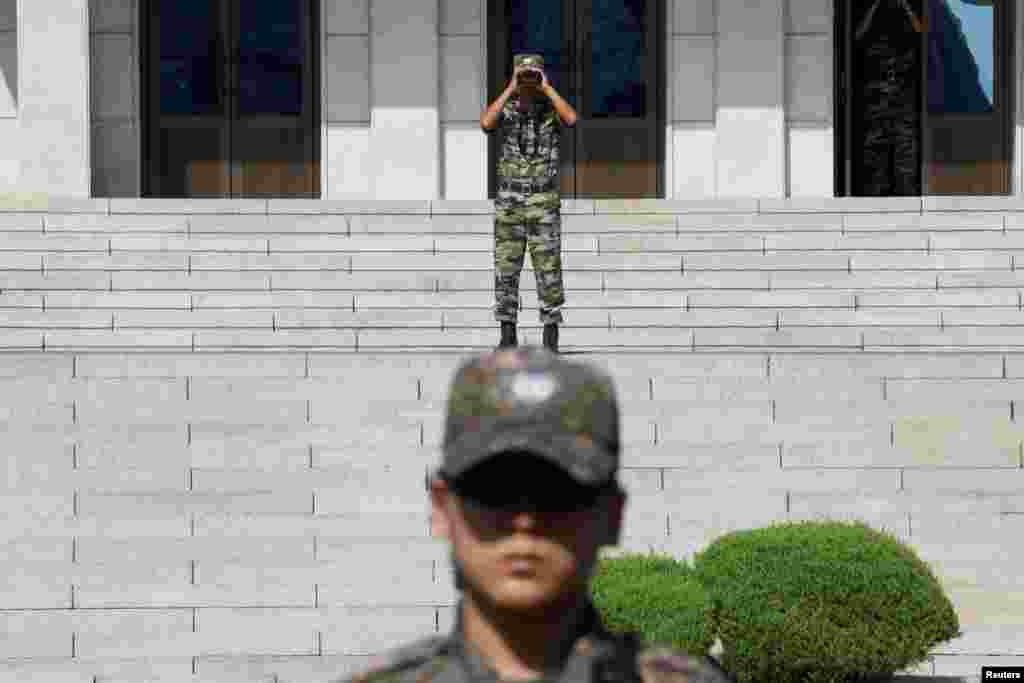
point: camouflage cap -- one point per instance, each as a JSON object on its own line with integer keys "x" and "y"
{"x": 528, "y": 59}
{"x": 531, "y": 400}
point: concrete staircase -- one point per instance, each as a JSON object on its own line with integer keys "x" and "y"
{"x": 216, "y": 416}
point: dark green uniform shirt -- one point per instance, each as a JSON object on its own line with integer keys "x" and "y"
{"x": 597, "y": 656}
{"x": 890, "y": 68}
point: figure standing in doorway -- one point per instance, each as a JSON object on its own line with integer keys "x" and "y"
{"x": 889, "y": 38}
{"x": 527, "y": 209}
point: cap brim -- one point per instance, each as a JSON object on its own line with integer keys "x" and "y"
{"x": 580, "y": 458}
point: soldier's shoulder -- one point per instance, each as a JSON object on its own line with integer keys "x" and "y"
{"x": 392, "y": 664}
{"x": 657, "y": 663}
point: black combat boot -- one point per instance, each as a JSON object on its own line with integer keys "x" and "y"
{"x": 551, "y": 337}
{"x": 508, "y": 335}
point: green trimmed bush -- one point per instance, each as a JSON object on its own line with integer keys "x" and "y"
{"x": 822, "y": 602}
{"x": 655, "y": 595}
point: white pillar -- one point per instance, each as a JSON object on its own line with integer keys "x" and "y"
{"x": 53, "y": 97}
{"x": 405, "y": 123}
{"x": 750, "y": 117}
{"x": 10, "y": 137}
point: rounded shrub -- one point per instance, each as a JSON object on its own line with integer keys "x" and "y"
{"x": 822, "y": 601}
{"x": 656, "y": 596}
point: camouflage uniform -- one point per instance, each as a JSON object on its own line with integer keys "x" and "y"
{"x": 530, "y": 401}
{"x": 528, "y": 207}
{"x": 890, "y": 75}
{"x": 598, "y": 656}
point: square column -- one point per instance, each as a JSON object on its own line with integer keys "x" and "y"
{"x": 53, "y": 97}
{"x": 405, "y": 130}
{"x": 750, "y": 116}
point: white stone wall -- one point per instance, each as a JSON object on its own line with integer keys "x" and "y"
{"x": 53, "y": 98}
{"x": 403, "y": 92}
{"x": 810, "y": 124}
{"x": 691, "y": 76}
{"x": 115, "y": 103}
{"x": 463, "y": 96}
{"x": 44, "y": 146}
{"x": 749, "y": 99}
{"x": 405, "y": 129}
{"x": 401, "y": 100}
{"x": 750, "y": 105}
{"x": 345, "y": 138}
{"x": 10, "y": 156}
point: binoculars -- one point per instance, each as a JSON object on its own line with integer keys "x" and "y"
{"x": 531, "y": 76}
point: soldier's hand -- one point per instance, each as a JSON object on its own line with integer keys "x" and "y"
{"x": 544, "y": 83}
{"x": 514, "y": 83}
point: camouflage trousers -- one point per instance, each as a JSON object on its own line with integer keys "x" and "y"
{"x": 891, "y": 163}
{"x": 534, "y": 221}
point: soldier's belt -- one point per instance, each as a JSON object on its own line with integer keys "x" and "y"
{"x": 526, "y": 185}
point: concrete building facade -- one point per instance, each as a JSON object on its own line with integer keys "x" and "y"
{"x": 746, "y": 96}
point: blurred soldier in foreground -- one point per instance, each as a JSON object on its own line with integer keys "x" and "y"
{"x": 527, "y": 492}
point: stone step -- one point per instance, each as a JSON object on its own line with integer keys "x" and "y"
{"x": 482, "y": 317}
{"x": 437, "y": 367}
{"x": 300, "y": 415}
{"x": 24, "y": 210}
{"x": 775, "y": 360}
{"x": 183, "y": 220}
{"x": 675, "y": 380}
{"x": 34, "y": 271}
{"x": 698, "y": 243}
{"x": 204, "y": 282}
{"x": 888, "y": 437}
{"x": 991, "y": 338}
{"x": 805, "y": 242}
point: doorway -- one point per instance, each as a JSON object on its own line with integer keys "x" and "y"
{"x": 607, "y": 59}
{"x": 925, "y": 97}
{"x": 230, "y": 98}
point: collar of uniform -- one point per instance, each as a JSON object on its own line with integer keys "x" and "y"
{"x": 592, "y": 641}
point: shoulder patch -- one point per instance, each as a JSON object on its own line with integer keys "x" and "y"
{"x": 390, "y": 664}
{"x": 660, "y": 664}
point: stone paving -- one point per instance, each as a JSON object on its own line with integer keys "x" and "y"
{"x": 218, "y": 415}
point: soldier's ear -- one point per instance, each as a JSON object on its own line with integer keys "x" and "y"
{"x": 440, "y": 499}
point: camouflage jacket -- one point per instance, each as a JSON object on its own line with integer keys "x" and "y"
{"x": 598, "y": 656}
{"x": 890, "y": 66}
{"x": 530, "y": 143}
